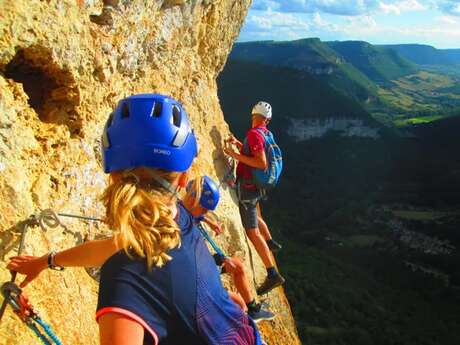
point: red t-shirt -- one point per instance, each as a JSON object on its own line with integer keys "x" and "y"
{"x": 255, "y": 143}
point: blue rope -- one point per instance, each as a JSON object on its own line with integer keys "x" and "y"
{"x": 211, "y": 241}
{"x": 48, "y": 331}
{"x": 38, "y": 333}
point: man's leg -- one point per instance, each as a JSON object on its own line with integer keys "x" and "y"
{"x": 263, "y": 228}
{"x": 274, "y": 279}
{"x": 261, "y": 246}
{"x": 249, "y": 218}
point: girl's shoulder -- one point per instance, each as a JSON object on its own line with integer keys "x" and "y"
{"x": 184, "y": 218}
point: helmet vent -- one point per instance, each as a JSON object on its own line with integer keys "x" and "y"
{"x": 105, "y": 136}
{"x": 176, "y": 116}
{"x": 125, "y": 111}
{"x": 156, "y": 110}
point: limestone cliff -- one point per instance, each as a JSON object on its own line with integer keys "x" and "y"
{"x": 306, "y": 129}
{"x": 63, "y": 66}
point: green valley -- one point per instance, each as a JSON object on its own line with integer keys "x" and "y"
{"x": 367, "y": 208}
{"x": 378, "y": 64}
{"x": 389, "y": 81}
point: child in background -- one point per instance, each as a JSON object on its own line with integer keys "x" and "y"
{"x": 202, "y": 195}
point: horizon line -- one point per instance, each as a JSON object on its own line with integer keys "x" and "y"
{"x": 350, "y": 40}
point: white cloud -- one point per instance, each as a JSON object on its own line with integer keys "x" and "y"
{"x": 340, "y": 7}
{"x": 389, "y": 8}
{"x": 435, "y": 22}
{"x": 447, "y": 20}
{"x": 412, "y": 5}
{"x": 265, "y": 5}
{"x": 451, "y": 7}
{"x": 322, "y": 25}
{"x": 398, "y": 7}
{"x": 451, "y": 34}
{"x": 318, "y": 20}
{"x": 345, "y": 7}
{"x": 275, "y": 25}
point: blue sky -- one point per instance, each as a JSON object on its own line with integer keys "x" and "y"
{"x": 433, "y": 22}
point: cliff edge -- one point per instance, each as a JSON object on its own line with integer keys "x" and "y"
{"x": 63, "y": 67}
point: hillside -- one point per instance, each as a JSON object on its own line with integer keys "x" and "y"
{"x": 378, "y": 64}
{"x": 368, "y": 223}
{"x": 453, "y": 54}
{"x": 387, "y": 84}
{"x": 297, "y": 94}
{"x": 313, "y": 56}
{"x": 426, "y": 55}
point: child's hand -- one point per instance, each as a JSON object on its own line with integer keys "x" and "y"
{"x": 229, "y": 265}
{"x": 217, "y": 228}
{"x": 30, "y": 266}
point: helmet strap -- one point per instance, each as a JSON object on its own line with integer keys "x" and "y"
{"x": 164, "y": 183}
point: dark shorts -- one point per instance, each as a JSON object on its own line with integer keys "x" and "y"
{"x": 248, "y": 200}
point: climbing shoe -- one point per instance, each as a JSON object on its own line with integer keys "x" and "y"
{"x": 258, "y": 314}
{"x": 270, "y": 283}
{"x": 273, "y": 245}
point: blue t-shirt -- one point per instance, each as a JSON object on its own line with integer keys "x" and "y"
{"x": 182, "y": 302}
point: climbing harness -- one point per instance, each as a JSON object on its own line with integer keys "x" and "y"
{"x": 227, "y": 175}
{"x": 12, "y": 294}
{"x": 26, "y": 312}
{"x": 32, "y": 220}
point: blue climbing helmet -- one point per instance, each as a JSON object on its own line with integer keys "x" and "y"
{"x": 148, "y": 130}
{"x": 209, "y": 197}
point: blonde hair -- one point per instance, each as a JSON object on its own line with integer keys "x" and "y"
{"x": 193, "y": 193}
{"x": 137, "y": 208}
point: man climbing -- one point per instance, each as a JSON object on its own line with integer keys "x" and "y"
{"x": 252, "y": 156}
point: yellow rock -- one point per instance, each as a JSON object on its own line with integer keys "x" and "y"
{"x": 63, "y": 67}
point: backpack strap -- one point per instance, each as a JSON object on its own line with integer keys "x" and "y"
{"x": 247, "y": 152}
{"x": 264, "y": 135}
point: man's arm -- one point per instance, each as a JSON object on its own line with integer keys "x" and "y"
{"x": 235, "y": 141}
{"x": 258, "y": 161}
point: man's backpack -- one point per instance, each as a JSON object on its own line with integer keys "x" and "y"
{"x": 267, "y": 179}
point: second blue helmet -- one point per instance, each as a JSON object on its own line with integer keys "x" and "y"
{"x": 148, "y": 130}
{"x": 209, "y": 198}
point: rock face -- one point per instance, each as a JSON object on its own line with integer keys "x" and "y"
{"x": 63, "y": 67}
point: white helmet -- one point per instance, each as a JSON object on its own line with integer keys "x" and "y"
{"x": 264, "y": 109}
